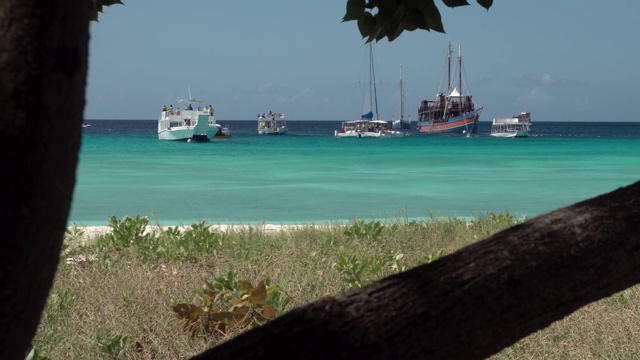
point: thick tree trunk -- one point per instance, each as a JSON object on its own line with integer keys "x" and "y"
{"x": 473, "y": 303}
{"x": 43, "y": 67}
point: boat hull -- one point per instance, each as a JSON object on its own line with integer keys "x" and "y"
{"x": 511, "y": 134}
{"x": 368, "y": 134}
{"x": 193, "y": 125}
{"x": 461, "y": 124}
{"x": 280, "y": 131}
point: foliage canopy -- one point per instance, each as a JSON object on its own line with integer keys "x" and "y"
{"x": 377, "y": 19}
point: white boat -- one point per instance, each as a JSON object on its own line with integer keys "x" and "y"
{"x": 84, "y": 124}
{"x": 514, "y": 127}
{"x": 272, "y": 124}
{"x": 366, "y": 126}
{"x": 193, "y": 123}
{"x": 401, "y": 123}
{"x": 223, "y": 132}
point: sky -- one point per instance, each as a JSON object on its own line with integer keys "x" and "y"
{"x": 562, "y": 60}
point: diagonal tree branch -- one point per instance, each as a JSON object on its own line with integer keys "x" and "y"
{"x": 473, "y": 303}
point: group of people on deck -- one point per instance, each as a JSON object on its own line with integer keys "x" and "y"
{"x": 271, "y": 115}
{"x": 169, "y": 110}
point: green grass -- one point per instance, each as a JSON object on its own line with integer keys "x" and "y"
{"x": 115, "y": 298}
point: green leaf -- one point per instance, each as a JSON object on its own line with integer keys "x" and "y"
{"x": 355, "y": 9}
{"x": 485, "y": 3}
{"x": 366, "y": 24}
{"x": 99, "y": 4}
{"x": 455, "y": 3}
{"x": 432, "y": 16}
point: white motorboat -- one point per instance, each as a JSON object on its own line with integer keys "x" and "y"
{"x": 272, "y": 124}
{"x": 195, "y": 122}
{"x": 514, "y": 127}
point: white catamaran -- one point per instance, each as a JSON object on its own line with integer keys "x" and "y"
{"x": 366, "y": 126}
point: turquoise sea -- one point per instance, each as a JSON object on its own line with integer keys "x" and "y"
{"x": 309, "y": 176}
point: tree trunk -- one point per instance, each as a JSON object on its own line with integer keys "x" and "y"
{"x": 470, "y": 304}
{"x": 43, "y": 69}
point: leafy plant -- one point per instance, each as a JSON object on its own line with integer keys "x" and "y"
{"x": 352, "y": 270}
{"x": 114, "y": 346}
{"x": 72, "y": 234}
{"x": 357, "y": 272}
{"x": 379, "y": 19}
{"x": 124, "y": 233}
{"x": 220, "y": 313}
{"x": 35, "y": 353}
{"x": 367, "y": 231}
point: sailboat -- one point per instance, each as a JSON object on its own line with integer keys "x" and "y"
{"x": 401, "y": 123}
{"x": 451, "y": 113}
{"x": 366, "y": 126}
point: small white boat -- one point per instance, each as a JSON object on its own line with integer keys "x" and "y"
{"x": 223, "y": 132}
{"x": 84, "y": 124}
{"x": 272, "y": 124}
{"x": 514, "y": 127}
{"x": 193, "y": 123}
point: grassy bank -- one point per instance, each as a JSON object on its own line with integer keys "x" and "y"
{"x": 116, "y": 292}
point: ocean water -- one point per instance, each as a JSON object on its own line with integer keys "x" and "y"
{"x": 309, "y": 176}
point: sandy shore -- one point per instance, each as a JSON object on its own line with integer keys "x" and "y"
{"x": 93, "y": 231}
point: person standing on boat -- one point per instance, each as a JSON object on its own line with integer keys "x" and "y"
{"x": 210, "y": 109}
{"x": 171, "y": 109}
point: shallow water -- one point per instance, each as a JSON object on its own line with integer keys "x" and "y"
{"x": 310, "y": 176}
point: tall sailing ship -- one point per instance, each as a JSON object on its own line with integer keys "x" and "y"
{"x": 451, "y": 113}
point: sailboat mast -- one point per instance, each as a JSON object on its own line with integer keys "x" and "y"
{"x": 372, "y": 83}
{"x": 460, "y": 70}
{"x": 401, "y": 96}
{"x": 449, "y": 68}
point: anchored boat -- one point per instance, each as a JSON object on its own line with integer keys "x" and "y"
{"x": 194, "y": 122}
{"x": 366, "y": 126}
{"x": 272, "y": 124}
{"x": 453, "y": 112}
{"x": 513, "y": 127}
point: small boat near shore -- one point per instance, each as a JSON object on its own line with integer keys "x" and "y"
{"x": 517, "y": 126}
{"x": 85, "y": 125}
{"x": 193, "y": 123}
{"x": 272, "y": 124}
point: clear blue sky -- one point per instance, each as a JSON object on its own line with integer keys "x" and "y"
{"x": 562, "y": 60}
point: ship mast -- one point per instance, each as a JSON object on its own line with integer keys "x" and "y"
{"x": 372, "y": 81}
{"x": 449, "y": 68}
{"x": 401, "y": 96}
